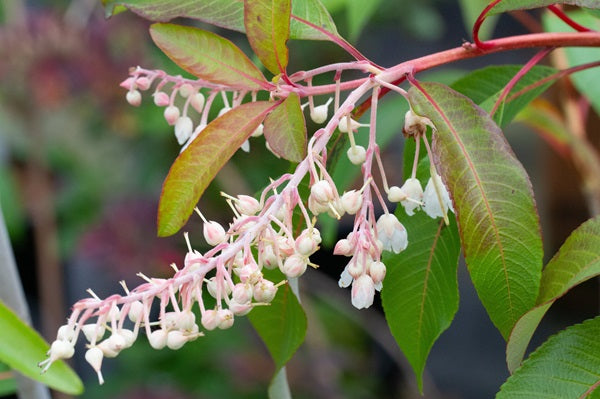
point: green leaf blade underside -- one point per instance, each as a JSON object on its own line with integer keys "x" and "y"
{"x": 485, "y": 85}
{"x": 195, "y": 168}
{"x": 586, "y": 81}
{"x": 420, "y": 291}
{"x": 267, "y": 24}
{"x": 566, "y": 366}
{"x": 282, "y": 325}
{"x": 22, "y": 349}
{"x": 229, "y": 14}
{"x": 285, "y": 130}
{"x": 492, "y": 195}
{"x": 576, "y": 261}
{"x": 512, "y": 5}
{"x": 207, "y": 55}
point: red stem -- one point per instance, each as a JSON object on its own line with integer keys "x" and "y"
{"x": 479, "y": 22}
{"x": 566, "y": 19}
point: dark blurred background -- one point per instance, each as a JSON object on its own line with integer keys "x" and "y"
{"x": 80, "y": 177}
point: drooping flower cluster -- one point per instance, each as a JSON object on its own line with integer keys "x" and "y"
{"x": 261, "y": 234}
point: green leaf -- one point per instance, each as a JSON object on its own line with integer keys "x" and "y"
{"x": 470, "y": 10}
{"x": 420, "y": 292}
{"x": 565, "y": 366}
{"x": 8, "y": 385}
{"x": 493, "y": 198}
{"x": 285, "y": 130}
{"x": 485, "y": 85}
{"x": 577, "y": 260}
{"x": 512, "y": 5}
{"x": 207, "y": 56}
{"x": 194, "y": 168}
{"x": 22, "y": 349}
{"x": 230, "y": 14}
{"x": 282, "y": 325}
{"x": 586, "y": 82}
{"x": 267, "y": 25}
{"x": 358, "y": 13}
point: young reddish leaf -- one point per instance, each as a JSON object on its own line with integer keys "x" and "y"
{"x": 493, "y": 199}
{"x": 577, "y": 261}
{"x": 207, "y": 56}
{"x": 230, "y": 14}
{"x": 420, "y": 290}
{"x": 285, "y": 130}
{"x": 565, "y": 366}
{"x": 512, "y": 5}
{"x": 267, "y": 25}
{"x": 195, "y": 167}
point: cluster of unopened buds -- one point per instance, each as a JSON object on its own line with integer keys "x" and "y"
{"x": 261, "y": 234}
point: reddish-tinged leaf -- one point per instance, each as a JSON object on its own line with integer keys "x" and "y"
{"x": 195, "y": 167}
{"x": 267, "y": 25}
{"x": 285, "y": 130}
{"x": 493, "y": 199}
{"x": 207, "y": 56}
{"x": 512, "y": 5}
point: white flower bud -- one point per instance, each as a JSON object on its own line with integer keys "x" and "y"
{"x": 134, "y": 98}
{"x": 265, "y": 291}
{"x": 317, "y": 207}
{"x": 415, "y": 124}
{"x": 176, "y": 339}
{"x": 65, "y": 333}
{"x": 223, "y": 111}
{"x": 93, "y": 332}
{"x": 322, "y": 191}
{"x": 212, "y": 287}
{"x": 116, "y": 342}
{"x": 186, "y": 320}
{"x": 214, "y": 233}
{"x": 396, "y": 194}
{"x": 242, "y": 293}
{"x": 343, "y": 125}
{"x": 319, "y": 114}
{"x": 294, "y": 266}
{"x": 247, "y": 205}
{"x": 183, "y": 129}
{"x": 432, "y": 205}
{"x": 171, "y": 114}
{"x": 129, "y": 337}
{"x": 258, "y": 131}
{"x": 267, "y": 257}
{"x": 352, "y": 201}
{"x": 136, "y": 311}
{"x": 363, "y": 292}
{"x": 197, "y": 101}
{"x": 226, "y": 319}
{"x": 240, "y": 309}
{"x": 158, "y": 339}
{"x": 94, "y": 357}
{"x": 61, "y": 350}
{"x": 377, "y": 271}
{"x": 308, "y": 241}
{"x": 210, "y": 319}
{"x": 161, "y": 99}
{"x": 357, "y": 154}
{"x": 355, "y": 267}
{"x": 186, "y": 90}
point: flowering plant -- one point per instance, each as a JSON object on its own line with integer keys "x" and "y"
{"x": 463, "y": 189}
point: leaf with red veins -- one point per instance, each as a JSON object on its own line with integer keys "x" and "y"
{"x": 267, "y": 24}
{"x": 195, "y": 168}
{"x": 493, "y": 199}
{"x": 285, "y": 130}
{"x": 512, "y": 5}
{"x": 208, "y": 56}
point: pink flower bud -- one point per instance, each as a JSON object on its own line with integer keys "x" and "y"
{"x": 352, "y": 201}
{"x": 247, "y": 205}
{"x": 267, "y": 257}
{"x": 161, "y": 99}
{"x": 94, "y": 357}
{"x": 214, "y": 233}
{"x": 171, "y": 114}
{"x": 363, "y": 292}
{"x": 294, "y": 266}
{"x": 265, "y": 291}
{"x": 186, "y": 90}
{"x": 210, "y": 319}
{"x": 356, "y": 267}
{"x": 183, "y": 129}
{"x": 142, "y": 83}
{"x": 308, "y": 241}
{"x": 377, "y": 271}
{"x": 134, "y": 98}
{"x": 357, "y": 154}
{"x": 128, "y": 83}
{"x": 240, "y": 309}
{"x": 158, "y": 339}
{"x": 226, "y": 319}
{"x": 242, "y": 293}
{"x": 197, "y": 102}
{"x": 343, "y": 247}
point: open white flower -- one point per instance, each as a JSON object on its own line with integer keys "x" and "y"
{"x": 414, "y": 195}
{"x": 391, "y": 233}
{"x": 436, "y": 202}
{"x": 363, "y": 292}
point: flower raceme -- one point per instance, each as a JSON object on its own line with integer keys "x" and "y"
{"x": 264, "y": 233}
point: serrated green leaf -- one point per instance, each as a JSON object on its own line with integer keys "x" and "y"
{"x": 577, "y": 260}
{"x": 208, "y": 56}
{"x": 22, "y": 349}
{"x": 565, "y": 366}
{"x": 285, "y": 130}
{"x": 194, "y": 168}
{"x": 230, "y": 14}
{"x": 493, "y": 198}
{"x": 485, "y": 85}
{"x": 586, "y": 82}
{"x": 282, "y": 325}
{"x": 420, "y": 292}
{"x": 267, "y": 24}
{"x": 512, "y": 5}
